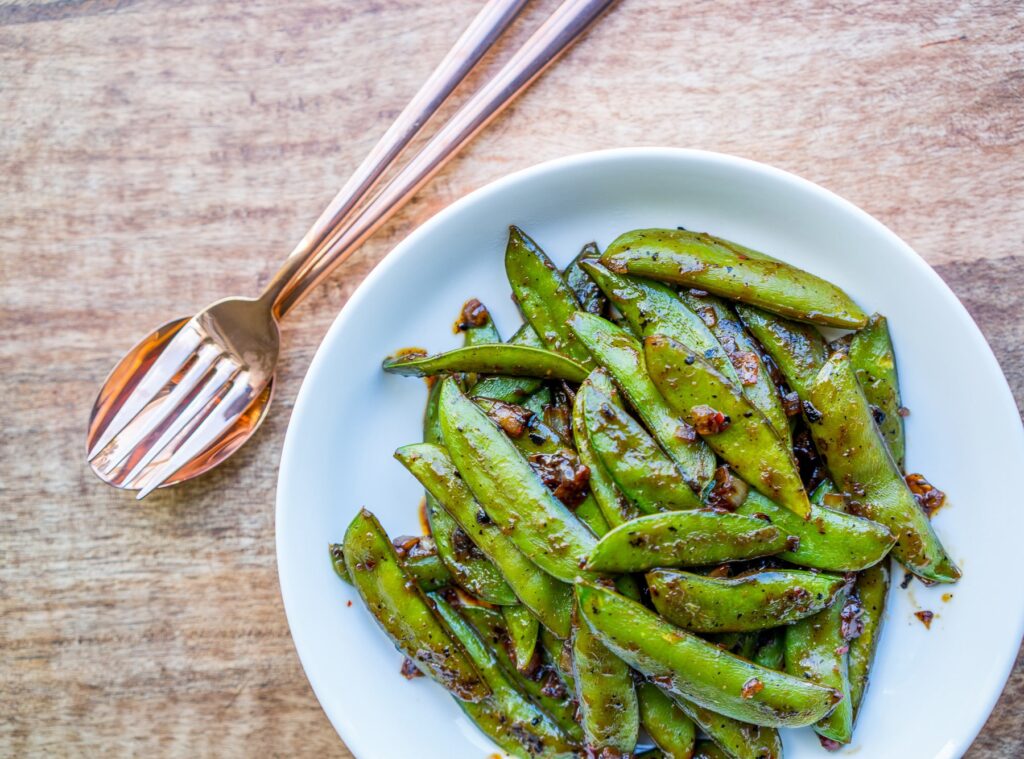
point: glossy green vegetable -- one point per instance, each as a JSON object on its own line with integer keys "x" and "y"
{"x": 589, "y": 295}
{"x": 706, "y": 749}
{"x": 860, "y": 464}
{"x": 816, "y": 652}
{"x": 559, "y": 654}
{"x": 622, "y": 355}
{"x": 751, "y": 601}
{"x": 797, "y": 349}
{"x": 684, "y": 539}
{"x": 522, "y": 629}
{"x": 871, "y": 590}
{"x": 874, "y": 361}
{"x": 511, "y": 389}
{"x": 640, "y": 469}
{"x": 735, "y": 739}
{"x": 669, "y": 727}
{"x": 699, "y": 260}
{"x": 504, "y": 359}
{"x": 548, "y": 599}
{"x": 771, "y": 651}
{"x": 538, "y": 400}
{"x": 509, "y": 491}
{"x": 545, "y": 299}
{"x": 533, "y": 730}
{"x": 604, "y": 690}
{"x": 424, "y": 567}
{"x": 828, "y": 539}
{"x": 754, "y": 378}
{"x": 746, "y": 439}
{"x": 699, "y": 671}
{"x": 476, "y": 325}
{"x": 402, "y": 611}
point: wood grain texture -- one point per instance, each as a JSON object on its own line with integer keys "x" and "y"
{"x": 155, "y": 156}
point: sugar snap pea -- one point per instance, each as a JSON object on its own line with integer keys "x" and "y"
{"x": 874, "y": 361}
{"x": 402, "y": 611}
{"x": 860, "y": 464}
{"x": 640, "y": 469}
{"x": 706, "y": 749}
{"x": 684, "y": 538}
{"x": 734, "y": 738}
{"x": 543, "y": 296}
{"x": 797, "y": 349}
{"x": 500, "y": 358}
{"x": 699, "y": 671}
{"x": 522, "y": 629}
{"x": 751, "y": 601}
{"x": 509, "y": 491}
{"x": 754, "y": 378}
{"x": 771, "y": 650}
{"x": 816, "y": 651}
{"x": 871, "y": 589}
{"x": 669, "y": 727}
{"x": 622, "y": 355}
{"x": 548, "y": 599}
{"x": 589, "y": 295}
{"x": 511, "y": 389}
{"x": 604, "y": 688}
{"x": 422, "y": 563}
{"x": 700, "y": 260}
{"x": 827, "y": 539}
{"x": 744, "y": 438}
{"x": 559, "y": 654}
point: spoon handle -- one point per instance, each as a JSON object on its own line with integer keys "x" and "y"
{"x": 561, "y": 29}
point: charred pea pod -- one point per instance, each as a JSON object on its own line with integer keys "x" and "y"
{"x": 548, "y": 599}
{"x": 607, "y": 699}
{"x": 734, "y": 739}
{"x": 502, "y": 359}
{"x": 797, "y": 349}
{"x": 870, "y": 591}
{"x": 687, "y": 666}
{"x": 623, "y": 357}
{"x": 752, "y": 601}
{"x": 874, "y": 362}
{"x": 827, "y": 539}
{"x": 545, "y": 299}
{"x": 421, "y": 562}
{"x": 861, "y": 466}
{"x": 669, "y": 727}
{"x": 728, "y": 422}
{"x": 639, "y": 468}
{"x": 589, "y": 295}
{"x": 531, "y": 731}
{"x": 771, "y": 650}
{"x": 403, "y": 612}
{"x": 511, "y": 389}
{"x": 509, "y": 491}
{"x": 522, "y": 629}
{"x": 697, "y": 259}
{"x": 684, "y": 539}
{"x": 754, "y": 378}
{"x": 816, "y": 651}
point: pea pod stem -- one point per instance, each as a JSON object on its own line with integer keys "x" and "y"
{"x": 502, "y": 359}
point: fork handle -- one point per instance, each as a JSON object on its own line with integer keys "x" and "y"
{"x": 561, "y": 29}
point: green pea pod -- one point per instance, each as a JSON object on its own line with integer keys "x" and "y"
{"x": 706, "y": 749}
{"x": 871, "y": 589}
{"x": 604, "y": 689}
{"x": 754, "y": 378}
{"x": 735, "y": 739}
{"x": 476, "y": 325}
{"x": 548, "y": 599}
{"x": 874, "y": 361}
{"x": 797, "y": 349}
{"x": 746, "y": 439}
{"x": 501, "y": 358}
{"x": 701, "y": 672}
{"x": 652, "y": 308}
{"x": 622, "y": 355}
{"x": 509, "y": 491}
{"x": 589, "y": 295}
{"x": 752, "y": 601}
{"x": 424, "y": 567}
{"x": 697, "y": 259}
{"x": 543, "y": 296}
{"x": 816, "y": 652}
{"x": 827, "y": 539}
{"x": 559, "y": 654}
{"x": 771, "y": 652}
{"x": 669, "y": 727}
{"x": 403, "y": 612}
{"x": 684, "y": 539}
{"x": 860, "y": 464}
{"x": 640, "y": 469}
{"x": 511, "y": 389}
{"x": 533, "y": 732}
{"x": 538, "y": 400}
{"x": 522, "y": 629}
{"x": 823, "y": 488}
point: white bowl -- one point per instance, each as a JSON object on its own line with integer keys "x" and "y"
{"x": 931, "y": 690}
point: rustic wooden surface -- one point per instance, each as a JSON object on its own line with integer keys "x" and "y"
{"x": 155, "y": 156}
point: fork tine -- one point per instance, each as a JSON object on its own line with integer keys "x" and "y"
{"x": 183, "y": 413}
{"x": 224, "y": 414}
{"x": 181, "y": 347}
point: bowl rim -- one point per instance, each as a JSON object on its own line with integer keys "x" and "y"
{"x": 346, "y": 729}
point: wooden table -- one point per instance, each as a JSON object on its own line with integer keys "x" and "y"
{"x": 155, "y": 156}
